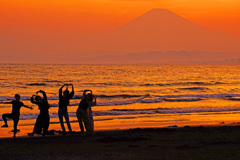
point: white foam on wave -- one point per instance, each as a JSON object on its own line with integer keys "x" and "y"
{"x": 201, "y": 95}
{"x": 23, "y": 98}
{"x": 135, "y": 99}
{"x": 183, "y": 99}
{"x": 116, "y": 112}
{"x": 165, "y": 111}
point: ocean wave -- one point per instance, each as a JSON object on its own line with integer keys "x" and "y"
{"x": 36, "y": 84}
{"x": 193, "y": 88}
{"x": 107, "y": 100}
{"x": 132, "y": 101}
{"x": 5, "y": 98}
{"x": 201, "y": 96}
{"x": 164, "y": 111}
{"x": 126, "y": 102}
{"x": 52, "y": 81}
{"x": 146, "y": 84}
{"x": 151, "y": 111}
{"x": 121, "y": 96}
{"x": 98, "y": 83}
{"x": 182, "y": 84}
{"x": 183, "y": 99}
{"x": 57, "y": 105}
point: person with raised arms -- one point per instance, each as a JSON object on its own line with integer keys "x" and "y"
{"x": 92, "y": 102}
{"x": 16, "y": 106}
{"x": 83, "y": 115}
{"x": 63, "y": 103}
{"x": 42, "y": 122}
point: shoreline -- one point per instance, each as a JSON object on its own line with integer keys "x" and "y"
{"x": 219, "y": 142}
{"x": 108, "y": 127}
{"x": 77, "y": 133}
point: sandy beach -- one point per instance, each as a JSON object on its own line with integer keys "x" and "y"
{"x": 152, "y": 143}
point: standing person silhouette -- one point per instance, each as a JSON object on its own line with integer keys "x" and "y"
{"x": 83, "y": 115}
{"x": 63, "y": 103}
{"x": 92, "y": 102}
{"x": 16, "y": 106}
{"x": 42, "y": 122}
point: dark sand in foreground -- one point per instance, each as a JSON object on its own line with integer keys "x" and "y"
{"x": 164, "y": 143}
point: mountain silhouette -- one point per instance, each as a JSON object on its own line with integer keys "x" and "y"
{"x": 162, "y": 30}
{"x": 169, "y": 57}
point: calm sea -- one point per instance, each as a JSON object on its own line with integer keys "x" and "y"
{"x": 130, "y": 95}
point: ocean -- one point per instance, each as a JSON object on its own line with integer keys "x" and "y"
{"x": 129, "y": 96}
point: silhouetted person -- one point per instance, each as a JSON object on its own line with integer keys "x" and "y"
{"x": 83, "y": 115}
{"x": 63, "y": 103}
{"x": 42, "y": 122}
{"x": 92, "y": 102}
{"x": 16, "y": 106}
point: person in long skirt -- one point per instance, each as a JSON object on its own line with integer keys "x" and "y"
{"x": 83, "y": 115}
{"x": 42, "y": 122}
{"x": 92, "y": 102}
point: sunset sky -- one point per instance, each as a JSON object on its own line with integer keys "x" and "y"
{"x": 93, "y": 16}
{"x": 40, "y": 22}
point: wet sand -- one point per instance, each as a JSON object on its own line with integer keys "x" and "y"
{"x": 162, "y": 143}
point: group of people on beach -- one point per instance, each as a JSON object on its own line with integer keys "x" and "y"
{"x": 83, "y": 113}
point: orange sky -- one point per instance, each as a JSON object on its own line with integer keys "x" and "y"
{"x": 79, "y": 17}
{"x": 53, "y": 29}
